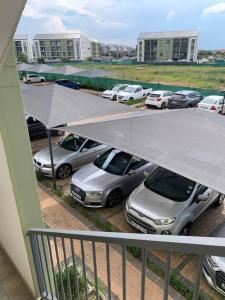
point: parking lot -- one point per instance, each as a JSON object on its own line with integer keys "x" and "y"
{"x": 204, "y": 226}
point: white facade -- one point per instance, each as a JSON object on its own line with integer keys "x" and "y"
{"x": 168, "y": 46}
{"x": 23, "y": 45}
{"x": 74, "y": 46}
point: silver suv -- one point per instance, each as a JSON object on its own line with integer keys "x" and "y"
{"x": 167, "y": 203}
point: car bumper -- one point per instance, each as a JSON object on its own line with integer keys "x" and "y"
{"x": 174, "y": 106}
{"x": 210, "y": 275}
{"x": 85, "y": 199}
{"x": 153, "y": 103}
{"x": 45, "y": 171}
{"x": 107, "y": 96}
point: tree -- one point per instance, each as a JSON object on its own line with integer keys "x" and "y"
{"x": 41, "y": 60}
{"x": 21, "y": 57}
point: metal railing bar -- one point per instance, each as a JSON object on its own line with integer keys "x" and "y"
{"x": 167, "y": 279}
{"x": 66, "y": 269}
{"x": 41, "y": 265}
{"x": 84, "y": 269}
{"x": 52, "y": 266}
{"x": 143, "y": 258}
{"x": 59, "y": 268}
{"x": 108, "y": 271}
{"x": 124, "y": 271}
{"x": 47, "y": 266}
{"x": 198, "y": 278}
{"x": 75, "y": 269}
{"x": 95, "y": 269}
{"x": 187, "y": 244}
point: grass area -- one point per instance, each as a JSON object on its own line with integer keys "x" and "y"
{"x": 208, "y": 77}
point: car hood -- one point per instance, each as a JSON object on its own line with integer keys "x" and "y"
{"x": 58, "y": 153}
{"x": 153, "y": 205}
{"x": 91, "y": 178}
{"x": 108, "y": 92}
{"x": 220, "y": 262}
{"x": 124, "y": 94}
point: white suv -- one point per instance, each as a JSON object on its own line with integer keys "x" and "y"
{"x": 158, "y": 99}
{"x": 30, "y": 78}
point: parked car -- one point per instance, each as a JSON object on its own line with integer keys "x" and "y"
{"x": 167, "y": 203}
{"x": 114, "y": 91}
{"x": 184, "y": 99}
{"x": 32, "y": 78}
{"x": 38, "y": 129}
{"x": 212, "y": 104}
{"x": 214, "y": 267}
{"x": 158, "y": 99}
{"x": 68, "y": 83}
{"x": 68, "y": 155}
{"x": 112, "y": 175}
{"x": 133, "y": 92}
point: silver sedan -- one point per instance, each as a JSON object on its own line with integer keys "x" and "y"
{"x": 112, "y": 175}
{"x": 68, "y": 155}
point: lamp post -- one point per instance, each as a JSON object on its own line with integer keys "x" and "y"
{"x": 51, "y": 158}
{"x": 223, "y": 92}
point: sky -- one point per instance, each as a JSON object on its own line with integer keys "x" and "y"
{"x": 120, "y": 21}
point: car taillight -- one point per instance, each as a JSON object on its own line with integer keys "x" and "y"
{"x": 213, "y": 108}
{"x": 158, "y": 99}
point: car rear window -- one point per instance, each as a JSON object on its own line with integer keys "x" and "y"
{"x": 179, "y": 96}
{"x": 209, "y": 100}
{"x": 154, "y": 95}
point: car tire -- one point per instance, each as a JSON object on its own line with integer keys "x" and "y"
{"x": 163, "y": 105}
{"x": 28, "y": 81}
{"x": 63, "y": 171}
{"x": 131, "y": 98}
{"x": 42, "y": 80}
{"x": 219, "y": 201}
{"x": 114, "y": 98}
{"x": 114, "y": 198}
{"x": 185, "y": 231}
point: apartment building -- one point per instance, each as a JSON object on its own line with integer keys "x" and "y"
{"x": 23, "y": 45}
{"x": 95, "y": 48}
{"x": 167, "y": 46}
{"x": 74, "y": 46}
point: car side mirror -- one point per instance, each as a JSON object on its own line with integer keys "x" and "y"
{"x": 131, "y": 172}
{"x": 202, "y": 197}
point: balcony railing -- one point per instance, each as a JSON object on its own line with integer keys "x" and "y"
{"x": 56, "y": 259}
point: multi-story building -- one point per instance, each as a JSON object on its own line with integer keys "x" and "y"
{"x": 74, "y": 46}
{"x": 95, "y": 48}
{"x": 167, "y": 46}
{"x": 23, "y": 45}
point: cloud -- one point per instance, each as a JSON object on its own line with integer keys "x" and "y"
{"x": 55, "y": 24}
{"x": 216, "y": 9}
{"x": 170, "y": 15}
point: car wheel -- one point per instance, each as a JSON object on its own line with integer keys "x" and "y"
{"x": 163, "y": 105}
{"x": 219, "y": 201}
{"x": 42, "y": 80}
{"x": 114, "y": 198}
{"x": 28, "y": 81}
{"x": 131, "y": 98}
{"x": 114, "y": 98}
{"x": 186, "y": 230}
{"x": 64, "y": 171}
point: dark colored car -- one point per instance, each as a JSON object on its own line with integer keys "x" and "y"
{"x": 184, "y": 99}
{"x": 214, "y": 267}
{"x": 68, "y": 83}
{"x": 37, "y": 129}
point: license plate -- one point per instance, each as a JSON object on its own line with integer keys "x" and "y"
{"x": 138, "y": 227}
{"x": 76, "y": 195}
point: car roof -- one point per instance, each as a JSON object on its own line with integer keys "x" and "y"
{"x": 185, "y": 92}
{"x": 134, "y": 85}
{"x": 160, "y": 92}
{"x": 215, "y": 97}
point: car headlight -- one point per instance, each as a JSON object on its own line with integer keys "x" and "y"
{"x": 128, "y": 203}
{"x": 162, "y": 222}
{"x": 94, "y": 194}
{"x": 212, "y": 261}
{"x": 48, "y": 166}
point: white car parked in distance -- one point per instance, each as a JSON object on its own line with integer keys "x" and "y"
{"x": 158, "y": 99}
{"x": 133, "y": 92}
{"x": 114, "y": 91}
{"x": 212, "y": 104}
{"x": 31, "y": 78}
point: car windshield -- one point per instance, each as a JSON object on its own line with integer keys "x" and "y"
{"x": 154, "y": 95}
{"x": 209, "y": 100}
{"x": 170, "y": 185}
{"x": 115, "y": 88}
{"x": 113, "y": 162}
{"x": 72, "y": 143}
{"x": 179, "y": 96}
{"x": 129, "y": 89}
